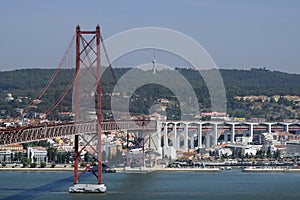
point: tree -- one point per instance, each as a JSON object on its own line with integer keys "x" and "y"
{"x": 260, "y": 154}
{"x": 277, "y": 154}
{"x": 52, "y": 154}
{"x": 19, "y": 156}
{"x": 12, "y": 157}
{"x": 103, "y": 156}
{"x": 269, "y": 152}
{"x": 61, "y": 157}
{"x": 68, "y": 157}
{"x": 247, "y": 155}
{"x": 25, "y": 161}
{"x": 43, "y": 165}
{"x": 224, "y": 156}
{"x": 240, "y": 154}
{"x": 88, "y": 157}
{"x": 33, "y": 165}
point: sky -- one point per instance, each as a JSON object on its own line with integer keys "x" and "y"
{"x": 237, "y": 34}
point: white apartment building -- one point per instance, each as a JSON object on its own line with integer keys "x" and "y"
{"x": 37, "y": 155}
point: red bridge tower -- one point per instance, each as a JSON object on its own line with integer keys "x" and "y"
{"x": 88, "y": 48}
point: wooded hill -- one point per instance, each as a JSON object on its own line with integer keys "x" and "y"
{"x": 29, "y": 82}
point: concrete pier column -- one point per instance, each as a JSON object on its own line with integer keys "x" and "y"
{"x": 225, "y": 136}
{"x": 178, "y": 140}
{"x": 157, "y": 138}
{"x": 269, "y": 127}
{"x": 251, "y": 132}
{"x": 251, "y": 125}
{"x": 269, "y": 124}
{"x": 175, "y": 136}
{"x": 200, "y": 136}
{"x": 215, "y": 134}
{"x": 186, "y": 137}
{"x": 233, "y": 133}
{"x": 287, "y": 127}
{"x": 166, "y": 136}
{"x": 207, "y": 139}
{"x": 192, "y": 143}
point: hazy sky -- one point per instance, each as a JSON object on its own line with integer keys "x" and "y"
{"x": 236, "y": 33}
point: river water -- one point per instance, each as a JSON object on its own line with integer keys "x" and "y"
{"x": 231, "y": 185}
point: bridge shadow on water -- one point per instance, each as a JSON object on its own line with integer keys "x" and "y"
{"x": 44, "y": 189}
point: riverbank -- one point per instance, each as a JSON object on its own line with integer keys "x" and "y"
{"x": 146, "y": 170}
{"x": 256, "y": 170}
{"x": 122, "y": 170}
{"x": 188, "y": 170}
{"x": 38, "y": 169}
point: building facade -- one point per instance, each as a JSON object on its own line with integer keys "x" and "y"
{"x": 37, "y": 155}
{"x": 6, "y": 156}
{"x": 293, "y": 148}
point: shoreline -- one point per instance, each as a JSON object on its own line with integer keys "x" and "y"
{"x": 188, "y": 170}
{"x": 148, "y": 170}
{"x": 118, "y": 170}
{"x": 249, "y": 170}
{"x": 46, "y": 169}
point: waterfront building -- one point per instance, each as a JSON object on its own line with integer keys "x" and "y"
{"x": 37, "y": 154}
{"x": 111, "y": 151}
{"x": 135, "y": 158}
{"x": 223, "y": 151}
{"x": 65, "y": 116}
{"x": 6, "y": 156}
{"x": 242, "y": 149}
{"x": 8, "y": 153}
{"x": 269, "y": 140}
{"x": 293, "y": 148}
{"x": 13, "y": 147}
{"x": 281, "y": 149}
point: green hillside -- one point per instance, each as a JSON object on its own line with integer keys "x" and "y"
{"x": 28, "y": 83}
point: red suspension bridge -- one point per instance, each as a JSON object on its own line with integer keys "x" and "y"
{"x": 87, "y": 45}
{"x": 87, "y": 61}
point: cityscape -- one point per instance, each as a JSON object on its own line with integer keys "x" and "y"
{"x": 196, "y": 99}
{"x": 222, "y": 138}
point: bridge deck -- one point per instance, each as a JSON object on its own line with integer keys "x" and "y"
{"x": 34, "y": 133}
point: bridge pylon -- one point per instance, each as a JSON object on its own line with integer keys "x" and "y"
{"x": 88, "y": 61}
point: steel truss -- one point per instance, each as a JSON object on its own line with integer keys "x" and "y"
{"x": 88, "y": 56}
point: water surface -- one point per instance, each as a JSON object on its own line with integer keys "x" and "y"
{"x": 157, "y": 185}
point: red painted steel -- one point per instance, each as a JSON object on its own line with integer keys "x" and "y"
{"x": 26, "y": 134}
{"x": 77, "y": 100}
{"x": 99, "y": 111}
{"x": 84, "y": 46}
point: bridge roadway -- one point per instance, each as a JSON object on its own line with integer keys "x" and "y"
{"x": 35, "y": 133}
{"x": 25, "y": 134}
{"x": 192, "y": 129}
